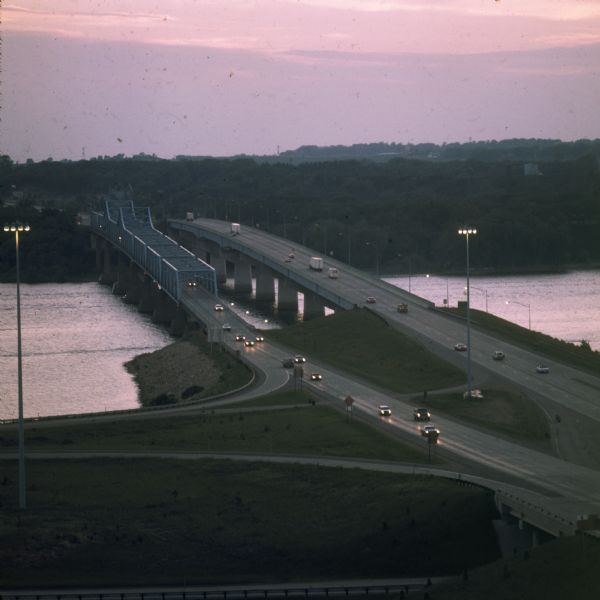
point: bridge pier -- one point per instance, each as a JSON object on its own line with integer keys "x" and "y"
{"x": 265, "y": 285}
{"x": 161, "y": 312}
{"x": 107, "y": 277}
{"x": 179, "y": 322}
{"x": 134, "y": 285}
{"x": 146, "y": 304}
{"x": 287, "y": 295}
{"x": 243, "y": 276}
{"x": 119, "y": 287}
{"x": 313, "y": 306}
{"x": 217, "y": 261}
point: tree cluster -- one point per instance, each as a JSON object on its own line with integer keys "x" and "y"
{"x": 398, "y": 215}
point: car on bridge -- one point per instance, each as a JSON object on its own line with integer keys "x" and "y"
{"x": 498, "y": 355}
{"x": 240, "y": 338}
{"x": 299, "y": 359}
{"x": 249, "y": 343}
{"x": 226, "y": 327}
{"x": 385, "y": 410}
{"x": 421, "y": 414}
{"x": 371, "y": 300}
{"x": 460, "y": 347}
{"x": 259, "y": 338}
{"x": 316, "y": 377}
{"x": 542, "y": 369}
{"x": 219, "y": 307}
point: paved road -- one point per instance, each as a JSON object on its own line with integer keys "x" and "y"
{"x": 575, "y": 392}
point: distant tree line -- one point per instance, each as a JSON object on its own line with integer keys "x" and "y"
{"x": 56, "y": 249}
{"x": 397, "y": 215}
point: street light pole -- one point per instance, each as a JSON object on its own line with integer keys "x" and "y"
{"x": 16, "y": 229}
{"x": 527, "y": 306}
{"x": 467, "y": 232}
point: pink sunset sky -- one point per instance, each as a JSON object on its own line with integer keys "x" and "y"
{"x": 223, "y": 77}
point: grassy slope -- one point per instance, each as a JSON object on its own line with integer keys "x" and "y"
{"x": 361, "y": 343}
{"x": 561, "y": 569}
{"x": 500, "y": 411}
{"x": 309, "y": 430}
{"x": 158, "y": 521}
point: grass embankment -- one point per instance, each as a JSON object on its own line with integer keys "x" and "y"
{"x": 151, "y": 522}
{"x": 186, "y": 370}
{"x": 361, "y": 343}
{"x": 500, "y": 411}
{"x": 576, "y": 356}
{"x": 310, "y": 430}
{"x": 563, "y": 568}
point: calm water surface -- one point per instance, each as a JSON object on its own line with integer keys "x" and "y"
{"x": 76, "y": 337}
{"x": 75, "y": 340}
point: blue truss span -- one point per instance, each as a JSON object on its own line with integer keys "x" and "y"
{"x": 130, "y": 229}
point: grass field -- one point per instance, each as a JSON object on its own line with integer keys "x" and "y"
{"x": 105, "y": 522}
{"x": 562, "y": 569}
{"x": 310, "y": 430}
{"x": 361, "y": 343}
{"x": 500, "y": 411}
{"x": 576, "y": 356}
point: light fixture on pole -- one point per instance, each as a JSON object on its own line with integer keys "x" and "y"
{"x": 527, "y": 306}
{"x": 16, "y": 229}
{"x": 468, "y": 232}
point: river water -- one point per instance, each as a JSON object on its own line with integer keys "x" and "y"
{"x": 76, "y": 337}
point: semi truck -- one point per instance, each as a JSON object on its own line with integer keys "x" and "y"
{"x": 316, "y": 263}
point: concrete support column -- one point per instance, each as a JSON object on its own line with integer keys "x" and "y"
{"x": 107, "y": 277}
{"x": 161, "y": 312}
{"x": 217, "y": 262}
{"x": 146, "y": 303}
{"x": 313, "y": 306}
{"x": 265, "y": 285}
{"x": 98, "y": 246}
{"x": 119, "y": 287}
{"x": 134, "y": 285}
{"x": 243, "y": 276}
{"x": 178, "y": 322}
{"x": 287, "y": 295}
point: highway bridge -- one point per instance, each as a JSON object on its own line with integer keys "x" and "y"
{"x": 566, "y": 486}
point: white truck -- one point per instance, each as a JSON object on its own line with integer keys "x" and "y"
{"x": 316, "y": 263}
{"x": 333, "y": 273}
{"x": 235, "y": 229}
{"x": 189, "y": 216}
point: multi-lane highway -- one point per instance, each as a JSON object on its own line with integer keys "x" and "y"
{"x": 572, "y": 393}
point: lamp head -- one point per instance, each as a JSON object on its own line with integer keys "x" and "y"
{"x": 467, "y": 231}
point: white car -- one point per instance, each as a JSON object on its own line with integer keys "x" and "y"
{"x": 460, "y": 347}
{"x": 219, "y": 307}
{"x": 428, "y": 430}
{"x": 542, "y": 369}
{"x": 498, "y": 355}
{"x": 385, "y": 410}
{"x": 226, "y": 327}
{"x": 299, "y": 359}
{"x": 371, "y": 300}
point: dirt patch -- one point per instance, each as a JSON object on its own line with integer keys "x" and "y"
{"x": 178, "y": 371}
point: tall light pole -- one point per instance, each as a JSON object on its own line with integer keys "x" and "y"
{"x": 16, "y": 229}
{"x": 467, "y": 232}
{"x": 486, "y": 295}
{"x": 527, "y": 306}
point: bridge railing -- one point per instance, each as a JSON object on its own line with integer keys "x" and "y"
{"x": 130, "y": 229}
